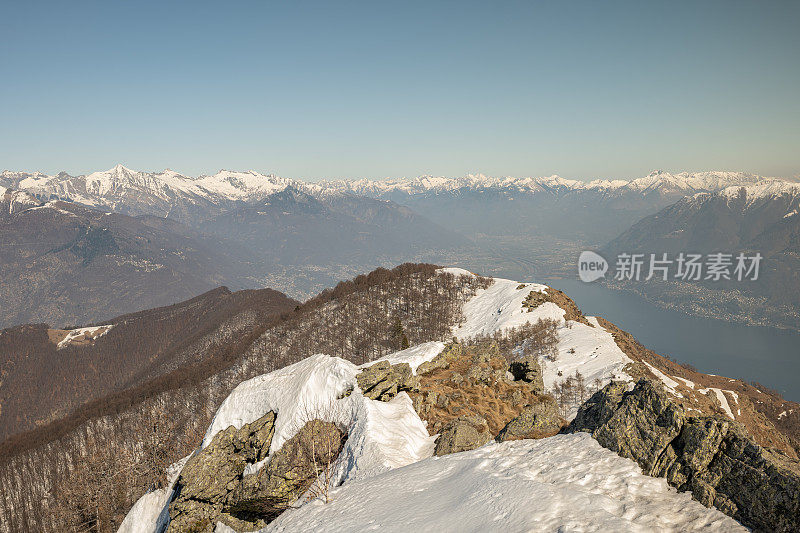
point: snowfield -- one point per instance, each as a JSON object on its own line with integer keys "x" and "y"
{"x": 389, "y": 481}
{"x": 564, "y": 483}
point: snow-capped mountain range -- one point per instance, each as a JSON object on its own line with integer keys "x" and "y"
{"x": 656, "y": 182}
{"x": 156, "y": 192}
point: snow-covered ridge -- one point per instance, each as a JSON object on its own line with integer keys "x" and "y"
{"x": 657, "y": 181}
{"x": 387, "y": 478}
{"x": 83, "y": 335}
{"x": 747, "y": 196}
{"x": 120, "y": 184}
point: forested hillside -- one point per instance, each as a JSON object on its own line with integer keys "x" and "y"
{"x": 48, "y": 372}
{"x": 141, "y": 430}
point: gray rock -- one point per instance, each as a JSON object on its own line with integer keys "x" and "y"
{"x": 713, "y": 458}
{"x": 536, "y": 421}
{"x": 443, "y": 360}
{"x": 289, "y": 473}
{"x": 212, "y": 487}
{"x": 208, "y": 478}
{"x": 383, "y": 381}
{"x": 462, "y": 434}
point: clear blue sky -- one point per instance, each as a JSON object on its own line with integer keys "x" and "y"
{"x": 377, "y": 89}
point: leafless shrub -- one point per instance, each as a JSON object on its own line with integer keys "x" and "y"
{"x": 539, "y": 339}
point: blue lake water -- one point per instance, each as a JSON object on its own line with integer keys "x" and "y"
{"x": 768, "y": 355}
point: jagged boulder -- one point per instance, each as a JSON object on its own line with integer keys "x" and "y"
{"x": 211, "y": 475}
{"x": 713, "y": 458}
{"x": 538, "y": 420}
{"x": 383, "y": 381}
{"x": 529, "y": 370}
{"x": 304, "y": 458}
{"x": 462, "y": 434}
{"x": 212, "y": 486}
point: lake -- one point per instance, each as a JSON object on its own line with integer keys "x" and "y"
{"x": 768, "y": 355}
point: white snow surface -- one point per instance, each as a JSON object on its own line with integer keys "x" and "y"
{"x": 563, "y": 483}
{"x": 499, "y": 307}
{"x": 416, "y": 355}
{"x": 77, "y": 333}
{"x": 723, "y": 401}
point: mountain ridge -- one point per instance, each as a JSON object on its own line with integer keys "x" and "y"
{"x": 98, "y": 188}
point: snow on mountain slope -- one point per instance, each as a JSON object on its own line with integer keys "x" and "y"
{"x": 15, "y": 201}
{"x": 151, "y": 512}
{"x": 382, "y": 435}
{"x": 591, "y": 350}
{"x": 242, "y": 185}
{"x": 563, "y": 483}
{"x": 390, "y": 481}
{"x": 656, "y": 182}
{"x": 500, "y": 307}
{"x": 110, "y": 187}
{"x": 83, "y": 335}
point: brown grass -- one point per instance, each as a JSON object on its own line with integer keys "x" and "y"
{"x": 498, "y": 403}
{"x": 571, "y": 311}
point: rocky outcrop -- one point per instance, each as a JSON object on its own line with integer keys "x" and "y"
{"x": 212, "y": 486}
{"x": 291, "y": 470}
{"x": 211, "y": 475}
{"x": 462, "y": 434}
{"x": 383, "y": 381}
{"x": 537, "y": 420}
{"x": 713, "y": 458}
{"x": 529, "y": 370}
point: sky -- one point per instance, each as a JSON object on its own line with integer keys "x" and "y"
{"x": 316, "y": 90}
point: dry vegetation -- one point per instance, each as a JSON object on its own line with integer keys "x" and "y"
{"x": 458, "y": 395}
{"x": 571, "y": 311}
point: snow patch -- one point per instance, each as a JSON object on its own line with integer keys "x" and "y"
{"x": 416, "y": 355}
{"x": 499, "y": 307}
{"x": 591, "y": 351}
{"x": 723, "y": 400}
{"x": 668, "y": 382}
{"x": 75, "y": 336}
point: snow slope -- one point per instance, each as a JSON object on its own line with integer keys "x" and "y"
{"x": 150, "y": 513}
{"x": 564, "y": 483}
{"x": 590, "y": 350}
{"x": 81, "y": 334}
{"x": 389, "y": 480}
{"x": 381, "y": 435}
